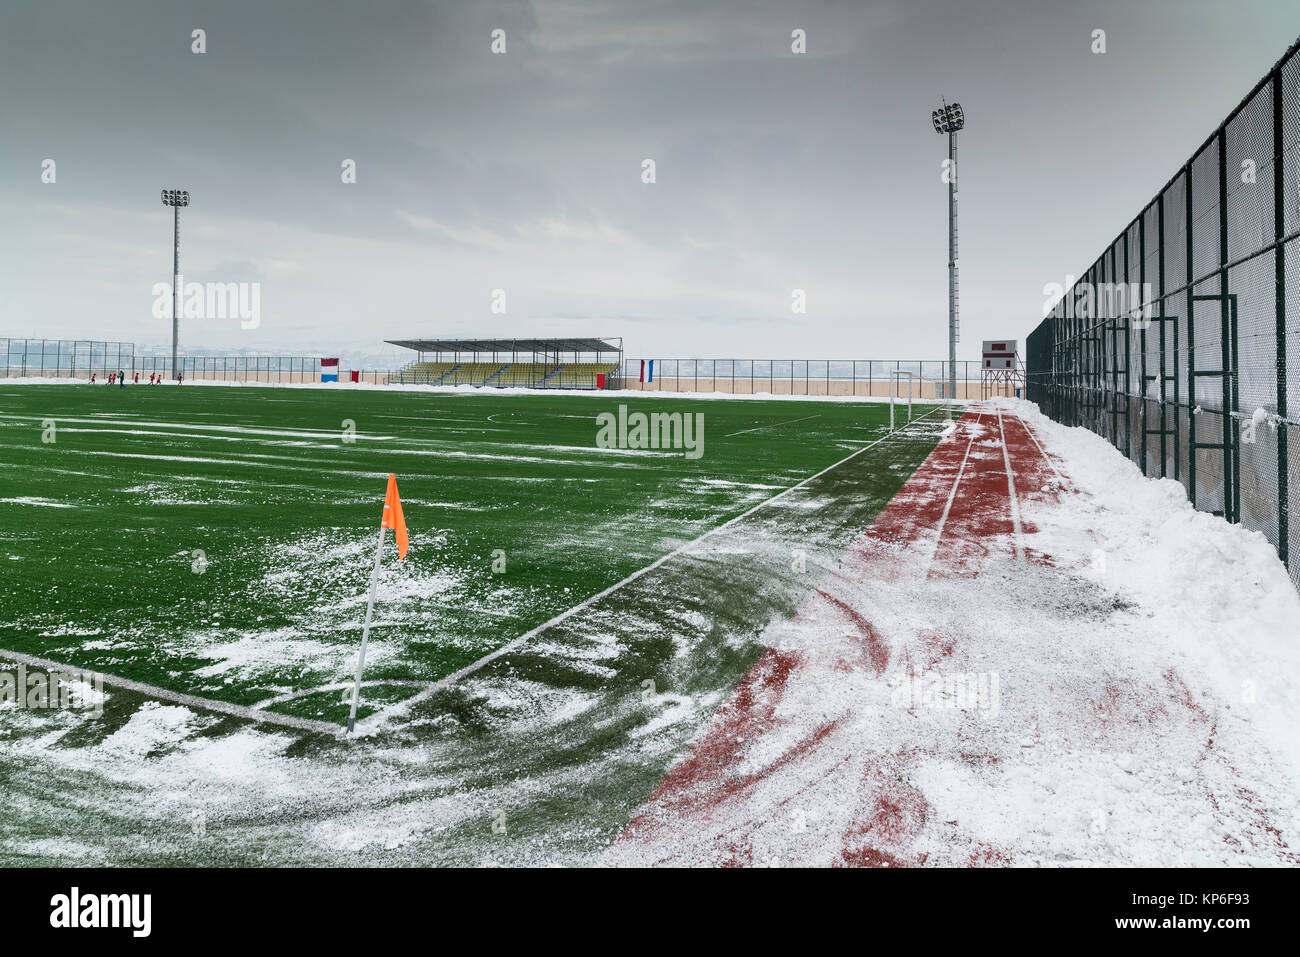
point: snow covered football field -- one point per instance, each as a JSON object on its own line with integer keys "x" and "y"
{"x": 1008, "y": 648}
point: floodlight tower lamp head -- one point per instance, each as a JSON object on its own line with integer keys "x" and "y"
{"x": 949, "y": 118}
{"x": 176, "y": 197}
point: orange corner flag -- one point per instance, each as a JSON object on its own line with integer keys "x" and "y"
{"x": 393, "y": 515}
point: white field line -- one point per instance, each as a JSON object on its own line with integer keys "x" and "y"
{"x": 190, "y": 701}
{"x": 238, "y": 431}
{"x": 952, "y": 495}
{"x": 468, "y": 391}
{"x": 324, "y": 727}
{"x": 1011, "y": 487}
{"x": 772, "y": 426}
{"x": 369, "y": 723}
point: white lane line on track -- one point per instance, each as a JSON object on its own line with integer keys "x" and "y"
{"x": 371, "y": 721}
{"x": 189, "y": 700}
{"x": 952, "y": 495}
{"x": 772, "y": 426}
{"x": 1011, "y": 487}
{"x": 1043, "y": 452}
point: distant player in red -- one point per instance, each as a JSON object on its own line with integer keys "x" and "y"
{"x": 136, "y": 380}
{"x": 180, "y": 377}
{"x": 92, "y": 378}
{"x": 110, "y": 378}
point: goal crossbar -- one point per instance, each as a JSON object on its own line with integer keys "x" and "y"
{"x": 894, "y": 393}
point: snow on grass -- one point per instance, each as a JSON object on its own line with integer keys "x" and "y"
{"x": 465, "y": 391}
{"x": 248, "y": 656}
{"x": 176, "y": 493}
{"x": 672, "y": 709}
{"x": 54, "y": 848}
{"x": 266, "y": 789}
{"x": 152, "y": 727}
{"x": 139, "y": 426}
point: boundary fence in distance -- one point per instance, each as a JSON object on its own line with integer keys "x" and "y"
{"x": 78, "y": 359}
{"x": 847, "y": 377}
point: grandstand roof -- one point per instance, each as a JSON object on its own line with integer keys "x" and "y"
{"x": 508, "y": 345}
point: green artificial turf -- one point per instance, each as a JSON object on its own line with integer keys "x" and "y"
{"x": 219, "y": 541}
{"x": 563, "y": 736}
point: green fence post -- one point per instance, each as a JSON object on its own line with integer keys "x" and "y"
{"x": 1191, "y": 345}
{"x": 1231, "y": 460}
{"x": 1279, "y": 253}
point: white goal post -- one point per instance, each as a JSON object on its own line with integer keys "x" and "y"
{"x": 895, "y": 393}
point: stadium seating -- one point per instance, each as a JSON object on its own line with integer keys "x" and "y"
{"x": 521, "y": 375}
{"x": 573, "y": 375}
{"x": 423, "y": 373}
{"x": 581, "y": 375}
{"x": 447, "y": 373}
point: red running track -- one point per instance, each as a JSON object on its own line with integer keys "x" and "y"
{"x": 833, "y": 750}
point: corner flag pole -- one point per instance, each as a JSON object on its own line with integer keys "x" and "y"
{"x": 392, "y": 518}
{"x": 365, "y": 632}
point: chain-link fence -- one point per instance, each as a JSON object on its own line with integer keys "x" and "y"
{"x": 63, "y": 358}
{"x": 1176, "y": 343}
{"x": 57, "y": 358}
{"x": 269, "y": 369}
{"x": 862, "y": 377}
{"x": 80, "y": 359}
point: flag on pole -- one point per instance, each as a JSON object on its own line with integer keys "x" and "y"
{"x": 642, "y": 379}
{"x": 392, "y": 517}
{"x": 650, "y": 371}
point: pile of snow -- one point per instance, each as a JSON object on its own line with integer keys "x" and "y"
{"x": 1216, "y": 593}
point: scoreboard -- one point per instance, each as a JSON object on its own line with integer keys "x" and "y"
{"x": 999, "y": 354}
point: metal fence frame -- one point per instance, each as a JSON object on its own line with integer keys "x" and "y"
{"x": 58, "y": 358}
{"x": 79, "y": 358}
{"x": 852, "y": 377}
{"x": 1189, "y": 377}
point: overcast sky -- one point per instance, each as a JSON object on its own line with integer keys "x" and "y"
{"x": 523, "y": 171}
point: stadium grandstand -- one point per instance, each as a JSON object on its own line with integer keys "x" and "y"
{"x": 513, "y": 363}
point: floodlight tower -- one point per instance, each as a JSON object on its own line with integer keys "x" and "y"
{"x": 176, "y": 198}
{"x": 949, "y": 118}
